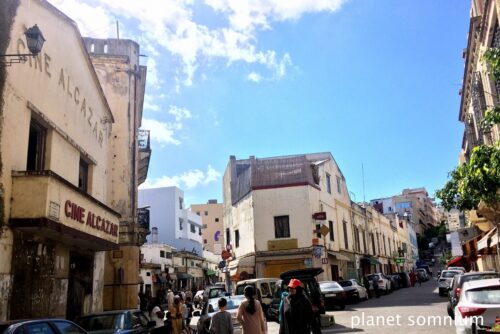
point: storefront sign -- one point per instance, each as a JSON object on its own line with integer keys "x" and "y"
{"x": 78, "y": 213}
{"x": 319, "y": 216}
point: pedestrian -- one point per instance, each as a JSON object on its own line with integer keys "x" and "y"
{"x": 413, "y": 278}
{"x": 250, "y": 314}
{"x": 366, "y": 284}
{"x": 156, "y": 313}
{"x": 298, "y": 316}
{"x": 376, "y": 288}
{"x": 170, "y": 297}
{"x": 176, "y": 312}
{"x": 188, "y": 313}
{"x": 221, "y": 321}
{"x": 419, "y": 279}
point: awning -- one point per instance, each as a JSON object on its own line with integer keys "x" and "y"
{"x": 371, "y": 259}
{"x": 211, "y": 272}
{"x": 184, "y": 276}
{"x": 490, "y": 238}
{"x": 455, "y": 260}
{"x": 338, "y": 256}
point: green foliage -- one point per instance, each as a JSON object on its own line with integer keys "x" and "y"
{"x": 491, "y": 117}
{"x": 446, "y": 257}
{"x": 492, "y": 58}
{"x": 475, "y": 181}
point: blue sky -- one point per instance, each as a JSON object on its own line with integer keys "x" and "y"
{"x": 374, "y": 82}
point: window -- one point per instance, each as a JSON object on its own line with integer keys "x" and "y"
{"x": 328, "y": 183}
{"x": 198, "y": 213}
{"x": 205, "y": 241}
{"x": 36, "y": 146}
{"x": 206, "y": 213}
{"x": 357, "y": 245}
{"x": 193, "y": 228}
{"x": 332, "y": 234}
{"x": 281, "y": 227}
{"x": 216, "y": 220}
{"x": 338, "y": 184}
{"x": 180, "y": 223}
{"x": 168, "y": 255}
{"x": 346, "y": 240}
{"x": 199, "y": 232}
{"x": 181, "y": 203}
{"x": 373, "y": 243}
{"x": 364, "y": 242}
{"x": 228, "y": 237}
{"x": 162, "y": 253}
{"x": 237, "y": 238}
{"x": 403, "y": 205}
{"x": 66, "y": 327}
{"x": 385, "y": 249}
{"x": 83, "y": 175}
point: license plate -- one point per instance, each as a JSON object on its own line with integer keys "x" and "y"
{"x": 331, "y": 295}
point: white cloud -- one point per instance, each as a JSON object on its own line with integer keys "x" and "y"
{"x": 187, "y": 180}
{"x": 160, "y": 132}
{"x": 179, "y": 113}
{"x": 169, "y": 25}
{"x": 255, "y": 77}
{"x": 149, "y": 103}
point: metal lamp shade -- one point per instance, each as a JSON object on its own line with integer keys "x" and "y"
{"x": 35, "y": 39}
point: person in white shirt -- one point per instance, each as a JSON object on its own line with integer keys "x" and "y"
{"x": 156, "y": 313}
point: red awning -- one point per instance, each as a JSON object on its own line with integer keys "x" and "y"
{"x": 455, "y": 260}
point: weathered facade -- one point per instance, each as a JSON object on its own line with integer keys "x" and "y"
{"x": 57, "y": 218}
{"x": 123, "y": 80}
{"x": 66, "y": 217}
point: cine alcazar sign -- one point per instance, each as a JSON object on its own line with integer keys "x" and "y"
{"x": 85, "y": 216}
{"x": 62, "y": 78}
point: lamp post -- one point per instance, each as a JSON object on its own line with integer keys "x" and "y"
{"x": 34, "y": 39}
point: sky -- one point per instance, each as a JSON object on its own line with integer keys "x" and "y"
{"x": 374, "y": 82}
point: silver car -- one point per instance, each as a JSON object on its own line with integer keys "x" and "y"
{"x": 444, "y": 280}
{"x": 200, "y": 323}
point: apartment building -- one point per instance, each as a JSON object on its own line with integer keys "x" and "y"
{"x": 212, "y": 220}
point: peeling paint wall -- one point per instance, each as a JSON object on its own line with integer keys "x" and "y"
{"x": 98, "y": 288}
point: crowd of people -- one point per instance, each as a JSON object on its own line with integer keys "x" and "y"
{"x": 171, "y": 311}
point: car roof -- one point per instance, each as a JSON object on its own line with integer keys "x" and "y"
{"x": 481, "y": 283}
{"x": 452, "y": 270}
{"x": 301, "y": 273}
{"x": 228, "y": 297}
{"x": 254, "y": 280}
{"x": 110, "y": 312}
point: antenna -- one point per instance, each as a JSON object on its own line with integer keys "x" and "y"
{"x": 363, "y": 173}
{"x": 117, "y": 30}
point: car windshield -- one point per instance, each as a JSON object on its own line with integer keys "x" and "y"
{"x": 345, "y": 283}
{"x": 469, "y": 278}
{"x": 372, "y": 277}
{"x": 329, "y": 286}
{"x": 240, "y": 289}
{"x": 449, "y": 274}
{"x": 102, "y": 322}
{"x": 487, "y": 295}
{"x": 232, "y": 304}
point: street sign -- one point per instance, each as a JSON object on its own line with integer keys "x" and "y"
{"x": 400, "y": 260}
{"x": 324, "y": 260}
{"x": 319, "y": 215}
{"x": 324, "y": 230}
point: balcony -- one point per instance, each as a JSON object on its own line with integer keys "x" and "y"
{"x": 43, "y": 203}
{"x": 143, "y": 143}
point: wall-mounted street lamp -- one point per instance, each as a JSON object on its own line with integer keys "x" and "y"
{"x": 34, "y": 39}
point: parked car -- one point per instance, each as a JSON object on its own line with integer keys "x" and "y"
{"x": 118, "y": 322}
{"x": 405, "y": 279}
{"x": 264, "y": 288}
{"x": 479, "y": 300}
{"x": 383, "y": 283}
{"x": 458, "y": 282}
{"x": 333, "y": 294}
{"x": 444, "y": 280}
{"x": 422, "y": 274}
{"x": 214, "y": 291}
{"x": 354, "y": 291}
{"x": 427, "y": 269}
{"x": 311, "y": 290}
{"x": 395, "y": 281}
{"x": 55, "y": 326}
{"x": 456, "y": 268}
{"x": 200, "y": 322}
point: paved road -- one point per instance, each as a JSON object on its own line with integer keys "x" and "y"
{"x": 411, "y": 310}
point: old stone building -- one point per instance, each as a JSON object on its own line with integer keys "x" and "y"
{"x": 66, "y": 217}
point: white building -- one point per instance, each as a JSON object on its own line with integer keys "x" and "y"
{"x": 177, "y": 226}
{"x": 156, "y": 267}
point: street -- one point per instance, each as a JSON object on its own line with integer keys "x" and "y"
{"x": 412, "y": 310}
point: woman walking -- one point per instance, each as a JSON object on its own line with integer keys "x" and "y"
{"x": 250, "y": 314}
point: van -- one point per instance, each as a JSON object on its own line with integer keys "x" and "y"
{"x": 264, "y": 288}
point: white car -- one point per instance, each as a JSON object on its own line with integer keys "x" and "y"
{"x": 382, "y": 282}
{"x": 457, "y": 268}
{"x": 200, "y": 323}
{"x": 479, "y": 307}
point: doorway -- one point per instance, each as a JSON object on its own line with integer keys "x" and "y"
{"x": 79, "y": 285}
{"x": 335, "y": 272}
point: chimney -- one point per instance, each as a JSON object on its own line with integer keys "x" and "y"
{"x": 154, "y": 235}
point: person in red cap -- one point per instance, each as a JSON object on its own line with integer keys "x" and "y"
{"x": 298, "y": 315}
